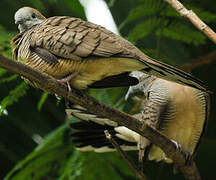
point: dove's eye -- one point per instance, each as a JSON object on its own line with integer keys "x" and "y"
{"x": 33, "y": 15}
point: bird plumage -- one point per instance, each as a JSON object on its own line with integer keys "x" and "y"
{"x": 90, "y": 136}
{"x": 179, "y": 112}
{"x": 61, "y": 45}
{"x": 89, "y": 133}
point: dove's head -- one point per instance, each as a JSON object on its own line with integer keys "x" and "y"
{"x": 27, "y": 17}
{"x": 142, "y": 86}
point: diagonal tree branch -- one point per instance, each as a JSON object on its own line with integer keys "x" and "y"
{"x": 50, "y": 84}
{"x": 195, "y": 20}
{"x": 139, "y": 173}
{"x": 200, "y": 61}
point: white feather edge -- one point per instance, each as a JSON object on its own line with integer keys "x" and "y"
{"x": 106, "y": 149}
{"x": 122, "y": 132}
{"x": 89, "y": 117}
{"x": 127, "y": 134}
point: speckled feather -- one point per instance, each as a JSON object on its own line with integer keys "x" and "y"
{"x": 89, "y": 49}
{"x": 179, "y": 112}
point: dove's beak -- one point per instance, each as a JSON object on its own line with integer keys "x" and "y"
{"x": 19, "y": 21}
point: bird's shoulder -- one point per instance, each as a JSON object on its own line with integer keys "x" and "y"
{"x": 75, "y": 38}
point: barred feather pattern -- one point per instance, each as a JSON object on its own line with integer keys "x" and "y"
{"x": 179, "y": 112}
{"x": 91, "y": 50}
{"x": 182, "y": 118}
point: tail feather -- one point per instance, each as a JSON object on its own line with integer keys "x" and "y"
{"x": 83, "y": 114}
{"x": 170, "y": 73}
{"x": 84, "y": 126}
{"x": 89, "y": 133}
{"x": 94, "y": 139}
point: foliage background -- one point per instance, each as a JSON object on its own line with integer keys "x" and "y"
{"x": 32, "y": 119}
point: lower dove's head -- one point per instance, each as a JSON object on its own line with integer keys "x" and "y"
{"x": 142, "y": 86}
{"x": 27, "y": 17}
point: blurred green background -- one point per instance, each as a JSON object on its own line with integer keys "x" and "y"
{"x": 31, "y": 118}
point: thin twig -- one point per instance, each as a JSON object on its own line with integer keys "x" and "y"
{"x": 139, "y": 174}
{"x": 195, "y": 20}
{"x": 78, "y": 97}
{"x": 198, "y": 62}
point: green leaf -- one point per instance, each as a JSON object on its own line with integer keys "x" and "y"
{"x": 110, "y": 96}
{"x": 14, "y": 96}
{"x": 182, "y": 33}
{"x": 146, "y": 9}
{"x": 55, "y": 158}
{"x": 50, "y": 160}
{"x": 75, "y": 7}
{"x": 92, "y": 166}
{"x": 143, "y": 29}
{"x": 38, "y": 4}
{"x": 8, "y": 79}
{"x": 155, "y": 16}
{"x": 203, "y": 14}
{"x": 101, "y": 95}
{"x": 42, "y": 100}
{"x": 162, "y": 57}
{"x": 111, "y": 3}
{"x": 3, "y": 72}
{"x": 5, "y": 38}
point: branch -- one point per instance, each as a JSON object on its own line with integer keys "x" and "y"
{"x": 201, "y": 61}
{"x": 196, "y": 21}
{"x": 139, "y": 174}
{"x": 50, "y": 84}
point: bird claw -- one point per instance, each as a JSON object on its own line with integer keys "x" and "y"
{"x": 188, "y": 156}
{"x": 178, "y": 146}
{"x": 66, "y": 80}
{"x": 188, "y": 161}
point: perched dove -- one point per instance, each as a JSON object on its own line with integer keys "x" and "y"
{"x": 84, "y": 54}
{"x": 179, "y": 112}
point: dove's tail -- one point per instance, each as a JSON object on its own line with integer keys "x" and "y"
{"x": 90, "y": 136}
{"x": 165, "y": 71}
{"x": 89, "y": 132}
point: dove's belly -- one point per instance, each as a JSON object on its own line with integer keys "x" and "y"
{"x": 89, "y": 70}
{"x": 185, "y": 119}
